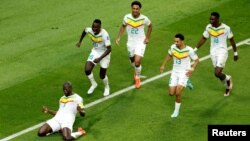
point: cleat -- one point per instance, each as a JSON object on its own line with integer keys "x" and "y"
{"x": 137, "y": 82}
{"x": 92, "y": 88}
{"x": 106, "y": 91}
{"x": 190, "y": 85}
{"x": 83, "y": 132}
{"x": 175, "y": 114}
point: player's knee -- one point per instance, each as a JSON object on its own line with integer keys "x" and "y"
{"x": 217, "y": 74}
{"x": 87, "y": 72}
{"x": 67, "y": 138}
{"x": 137, "y": 64}
{"x": 41, "y": 134}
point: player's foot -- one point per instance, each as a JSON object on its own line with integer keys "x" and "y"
{"x": 137, "y": 82}
{"x": 83, "y": 132}
{"x": 92, "y": 88}
{"x": 175, "y": 114}
{"x": 106, "y": 91}
{"x": 229, "y": 86}
{"x": 190, "y": 85}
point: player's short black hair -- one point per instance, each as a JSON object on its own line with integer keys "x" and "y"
{"x": 98, "y": 21}
{"x": 136, "y": 3}
{"x": 216, "y": 14}
{"x": 68, "y": 84}
{"x": 180, "y": 36}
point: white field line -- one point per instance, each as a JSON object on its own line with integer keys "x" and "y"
{"x": 247, "y": 41}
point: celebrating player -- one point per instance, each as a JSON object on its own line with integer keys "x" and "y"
{"x": 64, "y": 118}
{"x": 182, "y": 68}
{"x": 100, "y": 53}
{"x": 219, "y": 32}
{"x": 136, "y": 44}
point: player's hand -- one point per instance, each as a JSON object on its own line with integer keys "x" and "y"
{"x": 146, "y": 41}
{"x": 189, "y": 72}
{"x": 162, "y": 69}
{"x": 236, "y": 57}
{"x": 97, "y": 60}
{"x": 117, "y": 41}
{"x": 45, "y": 109}
{"x": 78, "y": 44}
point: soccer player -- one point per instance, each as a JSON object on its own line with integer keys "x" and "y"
{"x": 219, "y": 33}
{"x": 134, "y": 23}
{"x": 64, "y": 118}
{"x": 100, "y": 53}
{"x": 182, "y": 68}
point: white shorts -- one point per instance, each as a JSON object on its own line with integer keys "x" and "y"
{"x": 178, "y": 78}
{"x": 136, "y": 49}
{"x": 57, "y": 125}
{"x": 104, "y": 63}
{"x": 219, "y": 60}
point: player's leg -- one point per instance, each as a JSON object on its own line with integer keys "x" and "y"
{"x": 104, "y": 63}
{"x": 139, "y": 53}
{"x": 48, "y": 128}
{"x": 67, "y": 133}
{"x": 178, "y": 93}
{"x": 88, "y": 71}
{"x": 44, "y": 130}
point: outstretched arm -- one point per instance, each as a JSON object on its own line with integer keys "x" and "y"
{"x": 150, "y": 27}
{"x": 166, "y": 59}
{"x": 200, "y": 43}
{"x": 80, "y": 41}
{"x": 122, "y": 29}
{"x": 232, "y": 42}
{"x": 47, "y": 110}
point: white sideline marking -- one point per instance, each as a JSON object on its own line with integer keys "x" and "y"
{"x": 247, "y": 42}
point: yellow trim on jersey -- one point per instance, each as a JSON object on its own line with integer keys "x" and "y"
{"x": 81, "y": 105}
{"x": 135, "y": 23}
{"x": 179, "y": 54}
{"x": 66, "y": 100}
{"x": 96, "y": 39}
{"x": 216, "y": 32}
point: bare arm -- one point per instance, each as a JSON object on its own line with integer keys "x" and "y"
{"x": 166, "y": 59}
{"x": 82, "y": 36}
{"x": 200, "y": 43}
{"x": 47, "y": 110}
{"x": 193, "y": 66}
{"x": 150, "y": 27}
{"x": 81, "y": 110}
{"x": 122, "y": 29}
{"x": 232, "y": 42}
{"x": 97, "y": 60}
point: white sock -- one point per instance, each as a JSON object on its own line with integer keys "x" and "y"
{"x": 76, "y": 134}
{"x": 177, "y": 107}
{"x": 106, "y": 81}
{"x": 133, "y": 64}
{"x": 92, "y": 79}
{"x": 138, "y": 71}
{"x": 227, "y": 77}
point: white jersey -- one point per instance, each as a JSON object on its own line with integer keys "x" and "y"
{"x": 135, "y": 27}
{"x": 219, "y": 36}
{"x": 100, "y": 41}
{"x": 182, "y": 58}
{"x": 68, "y": 108}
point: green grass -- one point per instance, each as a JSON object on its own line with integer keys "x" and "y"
{"x": 38, "y": 54}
